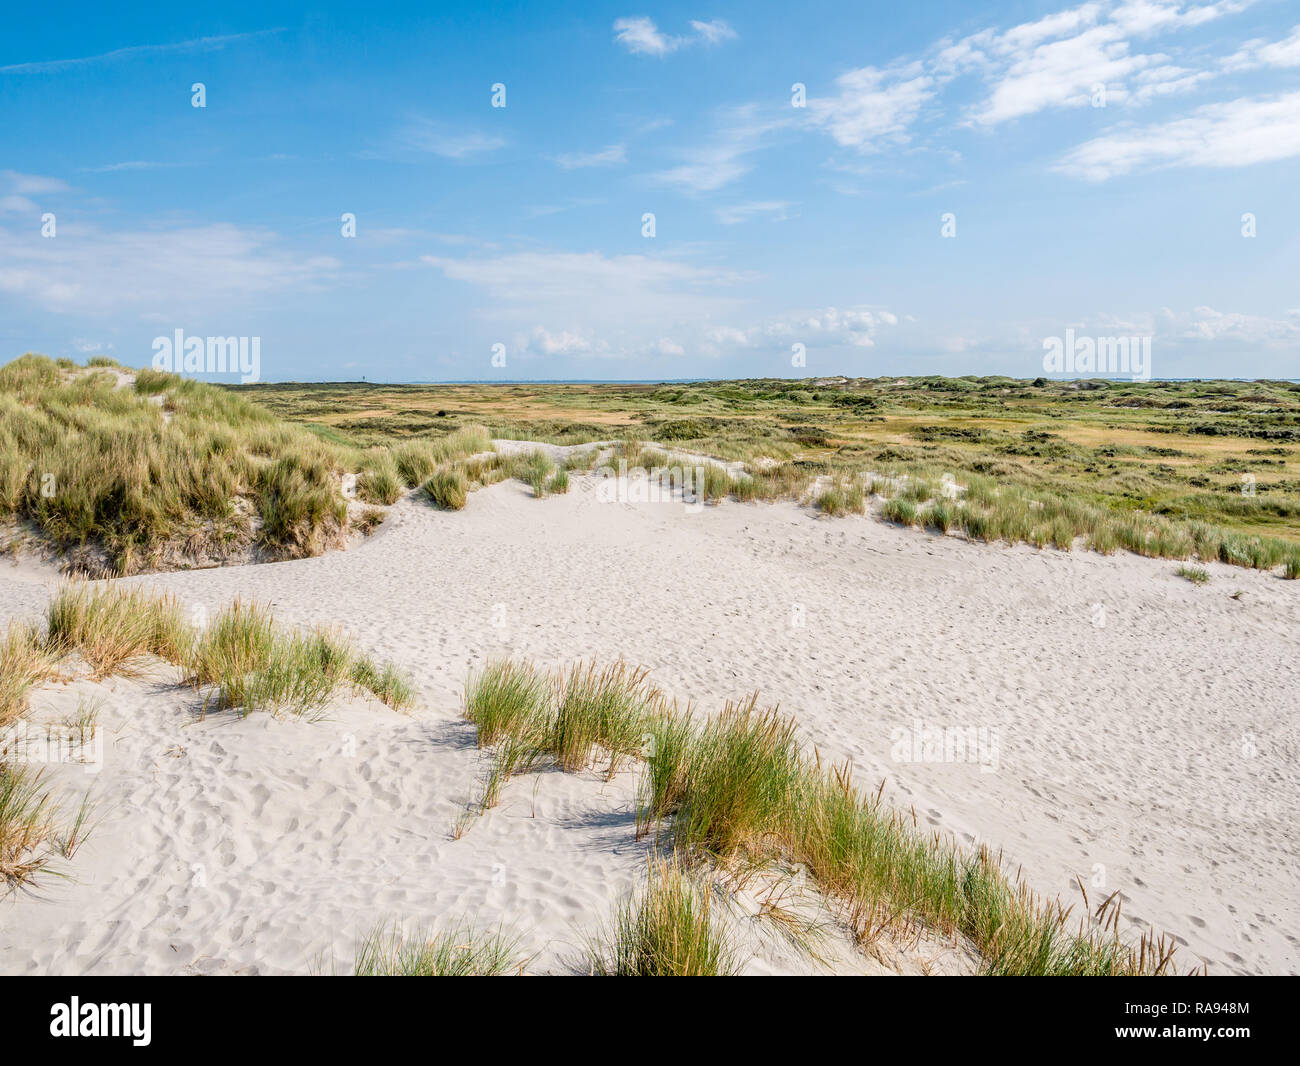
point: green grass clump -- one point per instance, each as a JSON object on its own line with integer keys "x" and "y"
{"x": 1197, "y": 575}
{"x": 835, "y": 501}
{"x": 940, "y": 516}
{"x": 559, "y": 483}
{"x": 738, "y": 791}
{"x": 461, "y": 951}
{"x": 507, "y": 699}
{"x": 533, "y": 468}
{"x": 250, "y": 664}
{"x": 666, "y": 930}
{"x": 448, "y": 488}
{"x": 28, "y": 832}
{"x": 243, "y": 659}
{"x": 899, "y": 510}
{"x": 24, "y": 663}
{"x": 603, "y": 709}
{"x": 380, "y": 481}
{"x": 115, "y": 629}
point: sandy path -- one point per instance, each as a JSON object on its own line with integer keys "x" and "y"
{"x": 1154, "y": 754}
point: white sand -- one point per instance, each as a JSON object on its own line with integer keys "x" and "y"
{"x": 1121, "y": 748}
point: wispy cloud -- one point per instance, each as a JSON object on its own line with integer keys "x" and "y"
{"x": 1234, "y": 134}
{"x": 774, "y": 210}
{"x": 640, "y": 36}
{"x": 131, "y": 164}
{"x": 138, "y": 51}
{"x": 168, "y": 271}
{"x": 1260, "y": 53}
{"x": 32, "y": 184}
{"x": 1058, "y": 61}
{"x": 550, "y": 303}
{"x": 425, "y": 135}
{"x": 605, "y": 157}
{"x": 873, "y": 107}
{"x": 741, "y": 132}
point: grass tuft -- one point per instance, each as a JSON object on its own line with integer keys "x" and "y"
{"x": 461, "y": 951}
{"x": 666, "y": 930}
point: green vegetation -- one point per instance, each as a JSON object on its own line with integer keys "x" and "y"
{"x": 1197, "y": 575}
{"x": 736, "y": 791}
{"x": 667, "y": 930}
{"x": 461, "y": 951}
{"x": 242, "y": 660}
{"x": 28, "y": 833}
{"x": 170, "y": 472}
{"x": 448, "y": 488}
{"x": 1204, "y": 468}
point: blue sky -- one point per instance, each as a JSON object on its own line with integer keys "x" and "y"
{"x": 774, "y": 224}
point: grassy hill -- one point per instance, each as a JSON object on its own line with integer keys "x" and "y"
{"x": 126, "y": 471}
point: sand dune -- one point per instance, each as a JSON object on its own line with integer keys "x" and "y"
{"x": 1139, "y": 732}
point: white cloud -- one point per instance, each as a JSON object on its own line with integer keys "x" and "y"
{"x": 16, "y": 204}
{"x": 167, "y": 272}
{"x": 776, "y": 210}
{"x": 873, "y": 106}
{"x": 1234, "y": 134}
{"x": 640, "y": 36}
{"x": 605, "y": 157}
{"x": 634, "y": 306}
{"x": 827, "y": 327}
{"x": 32, "y": 184}
{"x": 1207, "y": 324}
{"x": 601, "y": 306}
{"x": 1259, "y": 53}
{"x": 197, "y": 44}
{"x": 723, "y": 160}
{"x": 713, "y": 31}
{"x": 562, "y": 343}
{"x": 1056, "y": 61}
{"x": 423, "y": 135}
{"x": 131, "y": 164}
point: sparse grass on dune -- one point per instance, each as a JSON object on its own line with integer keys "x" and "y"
{"x": 115, "y": 629}
{"x": 600, "y": 709}
{"x": 505, "y": 699}
{"x": 246, "y": 662}
{"x": 667, "y": 929}
{"x": 841, "y": 499}
{"x": 738, "y": 791}
{"x": 28, "y": 825}
{"x": 417, "y": 459}
{"x": 24, "y": 663}
{"x": 380, "y": 481}
{"x": 448, "y": 488}
{"x": 459, "y": 951}
{"x": 1197, "y": 575}
{"x": 241, "y": 660}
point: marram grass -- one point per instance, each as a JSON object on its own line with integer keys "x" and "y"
{"x": 458, "y": 951}
{"x": 667, "y": 929}
{"x": 240, "y": 660}
{"x": 738, "y": 790}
